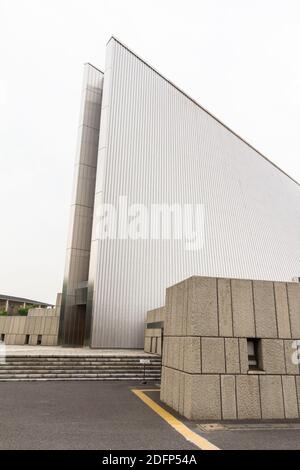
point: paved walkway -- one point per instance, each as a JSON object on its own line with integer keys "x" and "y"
{"x": 108, "y": 415}
{"x": 81, "y": 415}
{"x": 242, "y": 435}
{"x": 60, "y": 351}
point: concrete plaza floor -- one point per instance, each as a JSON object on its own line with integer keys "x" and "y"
{"x": 12, "y": 350}
{"x": 108, "y": 415}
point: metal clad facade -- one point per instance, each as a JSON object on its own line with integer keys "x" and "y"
{"x": 72, "y": 322}
{"x": 158, "y": 146}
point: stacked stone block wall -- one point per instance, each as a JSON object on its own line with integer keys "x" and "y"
{"x": 153, "y": 336}
{"x": 40, "y": 322}
{"x": 205, "y": 372}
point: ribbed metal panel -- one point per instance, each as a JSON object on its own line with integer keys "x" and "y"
{"x": 158, "y": 146}
{"x": 73, "y": 315}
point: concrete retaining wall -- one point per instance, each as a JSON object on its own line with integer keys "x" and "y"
{"x": 153, "y": 331}
{"x": 153, "y": 340}
{"x": 206, "y": 373}
{"x": 39, "y": 327}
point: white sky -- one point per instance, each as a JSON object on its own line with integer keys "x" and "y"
{"x": 238, "y": 58}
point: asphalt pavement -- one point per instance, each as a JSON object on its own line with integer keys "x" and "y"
{"x": 108, "y": 415}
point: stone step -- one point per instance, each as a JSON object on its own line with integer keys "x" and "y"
{"x": 78, "y": 375}
{"x": 76, "y": 357}
{"x": 24, "y": 368}
{"x": 4, "y": 368}
{"x": 77, "y": 364}
{"x": 76, "y": 367}
{"x": 77, "y": 371}
{"x": 49, "y": 361}
{"x": 71, "y": 363}
{"x": 52, "y": 379}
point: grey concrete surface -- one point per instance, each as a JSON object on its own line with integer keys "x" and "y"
{"x": 244, "y": 435}
{"x": 98, "y": 415}
{"x": 57, "y": 351}
{"x": 81, "y": 415}
{"x": 268, "y": 438}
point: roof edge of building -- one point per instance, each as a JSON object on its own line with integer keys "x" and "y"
{"x": 94, "y": 67}
{"x": 201, "y": 107}
{"x": 24, "y": 300}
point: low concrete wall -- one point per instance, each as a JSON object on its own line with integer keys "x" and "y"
{"x": 39, "y": 327}
{"x": 206, "y": 373}
{"x": 154, "y": 331}
{"x": 155, "y": 316}
{"x": 153, "y": 340}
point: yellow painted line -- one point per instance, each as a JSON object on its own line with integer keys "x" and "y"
{"x": 187, "y": 433}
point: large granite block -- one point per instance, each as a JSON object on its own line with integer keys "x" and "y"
{"x": 293, "y": 289}
{"x": 232, "y": 356}
{"x": 169, "y": 386}
{"x": 192, "y": 355}
{"x": 181, "y": 378}
{"x": 175, "y": 309}
{"x": 242, "y": 308}
{"x": 174, "y": 352}
{"x": 147, "y": 344}
{"x": 206, "y": 397}
{"x": 273, "y": 359}
{"x": 168, "y": 312}
{"x": 290, "y": 397}
{"x": 264, "y": 309}
{"x": 298, "y": 391}
{"x": 181, "y": 344}
{"x": 289, "y": 353}
{"x": 213, "y": 355}
{"x": 229, "y": 406}
{"x": 244, "y": 364}
{"x": 271, "y": 397}
{"x": 248, "y": 397}
{"x": 179, "y": 308}
{"x": 282, "y": 310}
{"x": 159, "y": 351}
{"x": 176, "y": 389}
{"x": 165, "y": 351}
{"x": 188, "y": 398}
{"x": 163, "y": 388}
{"x": 225, "y": 307}
{"x": 202, "y": 307}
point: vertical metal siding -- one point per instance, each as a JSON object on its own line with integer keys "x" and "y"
{"x": 72, "y": 320}
{"x": 158, "y": 146}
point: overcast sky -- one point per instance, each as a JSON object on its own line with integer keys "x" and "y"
{"x": 238, "y": 58}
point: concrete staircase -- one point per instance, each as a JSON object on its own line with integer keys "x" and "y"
{"x": 42, "y": 368}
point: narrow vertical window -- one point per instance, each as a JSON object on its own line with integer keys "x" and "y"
{"x": 254, "y": 354}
